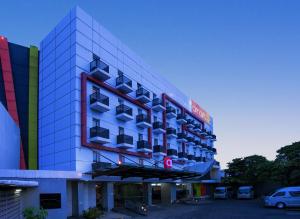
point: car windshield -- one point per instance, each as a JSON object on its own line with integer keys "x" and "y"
{"x": 220, "y": 190}
{"x": 244, "y": 190}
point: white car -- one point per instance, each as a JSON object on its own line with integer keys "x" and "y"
{"x": 284, "y": 197}
{"x": 222, "y": 193}
{"x": 245, "y": 192}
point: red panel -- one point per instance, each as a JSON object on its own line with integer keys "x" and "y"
{"x": 84, "y": 79}
{"x": 9, "y": 89}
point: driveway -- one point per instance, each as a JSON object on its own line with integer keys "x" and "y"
{"x": 220, "y": 209}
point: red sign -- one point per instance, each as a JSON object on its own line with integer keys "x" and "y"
{"x": 167, "y": 163}
{"x": 199, "y": 112}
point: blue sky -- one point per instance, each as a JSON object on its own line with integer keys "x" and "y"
{"x": 240, "y": 60}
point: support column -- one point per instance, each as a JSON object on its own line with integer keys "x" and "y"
{"x": 190, "y": 189}
{"x": 108, "y": 196}
{"x": 168, "y": 193}
{"x": 86, "y": 196}
{"x": 147, "y": 193}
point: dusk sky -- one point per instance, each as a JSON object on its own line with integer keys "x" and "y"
{"x": 240, "y": 60}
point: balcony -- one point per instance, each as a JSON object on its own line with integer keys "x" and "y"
{"x": 158, "y": 150}
{"x": 190, "y": 141}
{"x": 214, "y": 150}
{"x": 158, "y": 128}
{"x": 99, "y": 135}
{"x": 124, "y": 84}
{"x": 216, "y": 165}
{"x": 191, "y": 158}
{"x": 157, "y": 105}
{"x": 198, "y": 159}
{"x": 124, "y": 141}
{"x": 99, "y": 70}
{"x": 124, "y": 113}
{"x": 197, "y": 128}
{"x": 181, "y": 137}
{"x": 214, "y": 137}
{"x": 181, "y": 119}
{"x": 143, "y": 121}
{"x": 171, "y": 133}
{"x": 99, "y": 102}
{"x": 203, "y": 132}
{"x": 143, "y": 146}
{"x": 142, "y": 95}
{"x": 172, "y": 153}
{"x": 190, "y": 123}
{"x": 182, "y": 156}
{"x": 171, "y": 112}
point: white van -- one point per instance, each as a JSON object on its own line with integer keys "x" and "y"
{"x": 284, "y": 197}
{"x": 245, "y": 192}
{"x": 222, "y": 192}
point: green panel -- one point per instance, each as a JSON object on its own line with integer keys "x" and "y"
{"x": 33, "y": 107}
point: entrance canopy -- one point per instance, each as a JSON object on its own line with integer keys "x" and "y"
{"x": 18, "y": 183}
{"x": 145, "y": 172}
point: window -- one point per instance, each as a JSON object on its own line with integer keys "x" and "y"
{"x": 120, "y": 100}
{"x": 295, "y": 193}
{"x": 95, "y": 89}
{"x": 50, "y": 200}
{"x": 168, "y": 145}
{"x": 155, "y": 118}
{"x": 168, "y": 124}
{"x": 178, "y": 111}
{"x": 120, "y": 73}
{"x": 121, "y": 131}
{"x": 167, "y": 104}
{"x": 154, "y": 95}
{"x": 96, "y": 122}
{"x": 95, "y": 57}
{"x": 178, "y": 130}
{"x": 155, "y": 141}
{"x": 96, "y": 157}
{"x": 140, "y": 137}
{"x": 279, "y": 194}
{"x": 140, "y": 111}
{"x": 139, "y": 85}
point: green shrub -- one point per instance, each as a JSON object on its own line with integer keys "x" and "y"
{"x": 92, "y": 213}
{"x": 35, "y": 213}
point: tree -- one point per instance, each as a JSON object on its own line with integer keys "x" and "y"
{"x": 288, "y": 161}
{"x": 248, "y": 170}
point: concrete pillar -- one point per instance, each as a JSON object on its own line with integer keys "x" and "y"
{"x": 190, "y": 189}
{"x": 168, "y": 193}
{"x": 147, "y": 193}
{"x": 108, "y": 196}
{"x": 86, "y": 196}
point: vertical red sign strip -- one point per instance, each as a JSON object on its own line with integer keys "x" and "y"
{"x": 9, "y": 89}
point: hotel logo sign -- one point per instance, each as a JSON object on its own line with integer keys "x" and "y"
{"x": 199, "y": 112}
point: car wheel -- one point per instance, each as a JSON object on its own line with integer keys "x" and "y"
{"x": 280, "y": 205}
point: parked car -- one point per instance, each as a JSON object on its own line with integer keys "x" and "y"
{"x": 222, "y": 192}
{"x": 284, "y": 197}
{"x": 245, "y": 192}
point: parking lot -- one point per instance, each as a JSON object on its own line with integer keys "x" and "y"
{"x": 221, "y": 209}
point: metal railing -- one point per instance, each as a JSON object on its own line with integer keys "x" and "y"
{"x": 98, "y": 131}
{"x": 123, "y": 109}
{"x": 98, "y": 97}
{"x": 97, "y": 63}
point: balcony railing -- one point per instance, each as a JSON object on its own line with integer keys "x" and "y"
{"x": 170, "y": 109}
{"x": 157, "y": 101}
{"x": 171, "y": 131}
{"x": 190, "y": 139}
{"x": 124, "y": 139}
{"x": 191, "y": 157}
{"x": 97, "y": 63}
{"x": 123, "y": 109}
{"x": 143, "y": 118}
{"x": 181, "y": 116}
{"x": 182, "y": 155}
{"x": 181, "y": 135}
{"x": 123, "y": 80}
{"x": 158, "y": 125}
{"x": 98, "y": 131}
{"x": 158, "y": 149}
{"x": 190, "y": 123}
{"x": 142, "y": 92}
{"x": 143, "y": 144}
{"x": 172, "y": 152}
{"x": 98, "y": 97}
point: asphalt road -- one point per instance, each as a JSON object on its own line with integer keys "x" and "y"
{"x": 221, "y": 209}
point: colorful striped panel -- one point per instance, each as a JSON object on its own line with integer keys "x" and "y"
{"x": 32, "y": 108}
{"x": 9, "y": 89}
